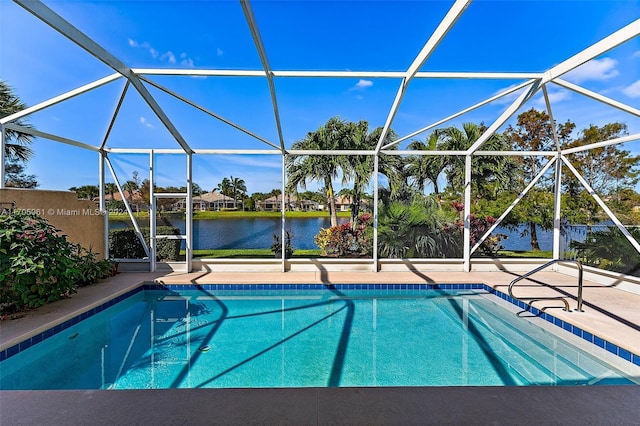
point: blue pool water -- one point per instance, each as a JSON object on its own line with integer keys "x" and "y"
{"x": 300, "y": 338}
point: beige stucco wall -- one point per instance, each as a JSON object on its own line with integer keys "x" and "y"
{"x": 80, "y": 220}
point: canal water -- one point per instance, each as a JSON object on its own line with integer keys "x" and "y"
{"x": 254, "y": 233}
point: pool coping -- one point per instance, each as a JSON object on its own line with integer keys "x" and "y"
{"x": 18, "y": 344}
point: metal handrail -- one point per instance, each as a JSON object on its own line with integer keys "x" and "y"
{"x": 540, "y": 268}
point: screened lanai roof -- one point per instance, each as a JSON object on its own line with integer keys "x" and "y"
{"x": 214, "y": 76}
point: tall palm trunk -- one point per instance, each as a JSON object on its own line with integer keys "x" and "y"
{"x": 332, "y": 202}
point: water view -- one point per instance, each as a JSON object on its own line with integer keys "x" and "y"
{"x": 252, "y": 233}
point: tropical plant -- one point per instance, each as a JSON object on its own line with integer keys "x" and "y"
{"x": 276, "y": 246}
{"x": 346, "y": 239}
{"x": 37, "y": 263}
{"x": 333, "y": 135}
{"x": 11, "y": 104}
{"x": 86, "y": 192}
{"x": 16, "y": 147}
{"x": 609, "y": 249}
{"x": 418, "y": 229}
{"x": 423, "y": 169}
{"x": 490, "y": 173}
{"x": 224, "y": 187}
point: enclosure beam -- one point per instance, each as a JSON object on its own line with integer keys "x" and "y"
{"x": 189, "y": 219}
{"x": 55, "y": 138}
{"x": 467, "y": 214}
{"x": 257, "y": 39}
{"x": 283, "y": 222}
{"x": 622, "y": 35}
{"x": 134, "y": 222}
{"x": 602, "y": 204}
{"x": 63, "y": 97}
{"x": 617, "y": 141}
{"x": 114, "y": 115}
{"x": 512, "y": 109}
{"x": 58, "y": 23}
{"x": 557, "y": 189}
{"x": 440, "y": 32}
{"x": 597, "y": 97}
{"x": 513, "y": 204}
{"x": 460, "y": 113}
{"x": 376, "y": 183}
{"x": 209, "y": 112}
{"x": 337, "y": 74}
{"x": 152, "y": 215}
{"x": 103, "y": 207}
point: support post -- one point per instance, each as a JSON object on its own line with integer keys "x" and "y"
{"x": 152, "y": 216}
{"x": 557, "y": 236}
{"x": 467, "y": 213}
{"x": 376, "y": 165}
{"x": 189, "y": 219}
{"x": 103, "y": 204}
{"x": 283, "y": 241}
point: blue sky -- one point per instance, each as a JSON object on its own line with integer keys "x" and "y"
{"x": 491, "y": 36}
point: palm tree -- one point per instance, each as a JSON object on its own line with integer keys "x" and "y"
{"x": 224, "y": 187}
{"x": 423, "y": 169}
{"x": 10, "y": 104}
{"x": 490, "y": 173}
{"x": 238, "y": 186}
{"x": 320, "y": 168}
{"x": 360, "y": 167}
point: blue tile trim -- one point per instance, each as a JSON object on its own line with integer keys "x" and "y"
{"x": 610, "y": 347}
{"x": 598, "y": 341}
{"x": 26, "y": 344}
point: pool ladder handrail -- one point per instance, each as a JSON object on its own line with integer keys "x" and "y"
{"x": 563, "y": 298}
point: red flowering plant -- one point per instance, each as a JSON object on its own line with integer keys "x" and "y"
{"x": 479, "y": 226}
{"x": 346, "y": 239}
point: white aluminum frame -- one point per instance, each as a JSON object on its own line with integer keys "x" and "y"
{"x": 137, "y": 77}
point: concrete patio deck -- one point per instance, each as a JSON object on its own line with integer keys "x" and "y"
{"x": 608, "y": 313}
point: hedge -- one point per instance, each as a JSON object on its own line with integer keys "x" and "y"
{"x": 124, "y": 243}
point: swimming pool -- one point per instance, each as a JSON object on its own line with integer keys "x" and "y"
{"x": 302, "y": 336}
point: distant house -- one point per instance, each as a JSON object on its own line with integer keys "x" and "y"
{"x": 210, "y": 201}
{"x": 343, "y": 204}
{"x": 292, "y": 203}
{"x": 134, "y": 198}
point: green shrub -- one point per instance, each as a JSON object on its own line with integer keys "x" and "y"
{"x": 91, "y": 269}
{"x": 124, "y": 243}
{"x": 37, "y": 263}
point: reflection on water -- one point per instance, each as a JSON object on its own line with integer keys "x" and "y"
{"x": 257, "y": 233}
{"x": 244, "y": 233}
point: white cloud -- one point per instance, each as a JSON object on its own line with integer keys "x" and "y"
{"x": 363, "y": 84}
{"x": 636, "y": 54}
{"x": 595, "y": 69}
{"x": 507, "y": 99}
{"x": 555, "y": 96}
{"x": 185, "y": 60}
{"x": 145, "y": 123}
{"x": 219, "y": 52}
{"x": 632, "y": 91}
{"x": 168, "y": 56}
